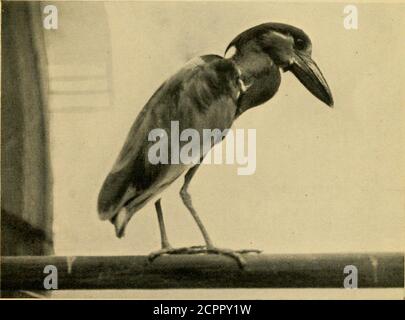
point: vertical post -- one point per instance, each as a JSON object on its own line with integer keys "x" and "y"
{"x": 26, "y": 214}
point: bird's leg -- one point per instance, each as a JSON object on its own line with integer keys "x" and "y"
{"x": 210, "y": 248}
{"x": 185, "y": 196}
{"x": 166, "y": 247}
{"x": 163, "y": 235}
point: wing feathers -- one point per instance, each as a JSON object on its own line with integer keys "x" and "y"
{"x": 202, "y": 95}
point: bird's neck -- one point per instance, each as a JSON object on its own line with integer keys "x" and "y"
{"x": 260, "y": 76}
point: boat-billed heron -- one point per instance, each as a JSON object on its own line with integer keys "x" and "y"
{"x": 210, "y": 92}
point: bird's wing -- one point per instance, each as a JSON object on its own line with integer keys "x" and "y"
{"x": 202, "y": 95}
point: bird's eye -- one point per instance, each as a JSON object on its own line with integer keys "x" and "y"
{"x": 300, "y": 44}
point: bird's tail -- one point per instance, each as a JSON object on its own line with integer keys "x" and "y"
{"x": 120, "y": 221}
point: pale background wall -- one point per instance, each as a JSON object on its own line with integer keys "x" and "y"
{"x": 326, "y": 180}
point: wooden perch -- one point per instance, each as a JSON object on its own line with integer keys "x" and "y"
{"x": 379, "y": 270}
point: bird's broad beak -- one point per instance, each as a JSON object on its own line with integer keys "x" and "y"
{"x": 308, "y": 73}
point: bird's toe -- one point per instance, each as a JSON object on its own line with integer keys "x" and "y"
{"x": 245, "y": 251}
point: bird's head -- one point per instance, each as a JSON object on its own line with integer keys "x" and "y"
{"x": 290, "y": 49}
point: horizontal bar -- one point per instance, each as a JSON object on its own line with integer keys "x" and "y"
{"x": 59, "y": 101}
{"x": 83, "y": 77}
{"x": 57, "y": 86}
{"x": 375, "y": 270}
{"x": 78, "y": 92}
{"x": 71, "y": 70}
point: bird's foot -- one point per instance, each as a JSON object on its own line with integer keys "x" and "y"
{"x": 169, "y": 250}
{"x": 234, "y": 254}
{"x": 245, "y": 251}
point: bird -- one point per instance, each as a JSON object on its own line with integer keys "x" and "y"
{"x": 209, "y": 92}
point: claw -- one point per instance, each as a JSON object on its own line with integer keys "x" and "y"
{"x": 229, "y": 253}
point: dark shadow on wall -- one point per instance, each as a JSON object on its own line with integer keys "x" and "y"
{"x": 26, "y": 188}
